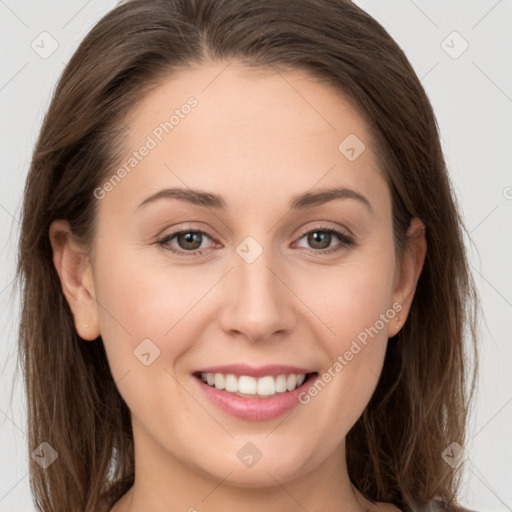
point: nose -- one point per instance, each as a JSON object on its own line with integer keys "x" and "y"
{"x": 258, "y": 302}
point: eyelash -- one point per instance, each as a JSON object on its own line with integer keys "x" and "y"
{"x": 347, "y": 241}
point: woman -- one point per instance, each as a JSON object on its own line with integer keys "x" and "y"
{"x": 245, "y": 282}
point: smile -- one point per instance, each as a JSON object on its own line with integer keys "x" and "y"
{"x": 248, "y": 386}
{"x": 254, "y": 394}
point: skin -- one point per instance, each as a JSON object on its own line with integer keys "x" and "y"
{"x": 257, "y": 138}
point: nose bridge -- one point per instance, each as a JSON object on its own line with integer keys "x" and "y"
{"x": 260, "y": 305}
{"x": 253, "y": 269}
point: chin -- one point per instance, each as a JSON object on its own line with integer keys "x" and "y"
{"x": 263, "y": 473}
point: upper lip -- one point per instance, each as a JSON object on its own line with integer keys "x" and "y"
{"x": 252, "y": 371}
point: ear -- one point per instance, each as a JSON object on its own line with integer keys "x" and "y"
{"x": 75, "y": 273}
{"x": 407, "y": 275}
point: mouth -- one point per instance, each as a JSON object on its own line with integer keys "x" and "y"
{"x": 250, "y": 386}
{"x": 254, "y": 393}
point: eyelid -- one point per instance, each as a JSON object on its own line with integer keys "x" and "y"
{"x": 345, "y": 236}
{"x": 347, "y": 239}
{"x": 322, "y": 226}
{"x": 184, "y": 229}
{"x": 305, "y": 231}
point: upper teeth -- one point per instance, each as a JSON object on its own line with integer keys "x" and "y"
{"x": 263, "y": 386}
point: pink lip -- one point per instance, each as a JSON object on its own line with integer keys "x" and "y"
{"x": 255, "y": 409}
{"x": 262, "y": 371}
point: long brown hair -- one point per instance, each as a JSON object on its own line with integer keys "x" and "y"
{"x": 422, "y": 401}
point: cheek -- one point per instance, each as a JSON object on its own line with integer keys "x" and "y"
{"x": 348, "y": 379}
{"x": 361, "y": 321}
{"x": 140, "y": 301}
{"x": 145, "y": 322}
{"x": 349, "y": 300}
{"x": 353, "y": 302}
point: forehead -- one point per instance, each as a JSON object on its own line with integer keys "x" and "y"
{"x": 224, "y": 126}
{"x": 232, "y": 96}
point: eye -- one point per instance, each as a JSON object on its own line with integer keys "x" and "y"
{"x": 188, "y": 240}
{"x": 321, "y": 237}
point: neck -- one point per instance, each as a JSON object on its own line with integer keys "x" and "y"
{"x": 163, "y": 482}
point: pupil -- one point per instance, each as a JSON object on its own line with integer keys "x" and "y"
{"x": 315, "y": 235}
{"x": 189, "y": 239}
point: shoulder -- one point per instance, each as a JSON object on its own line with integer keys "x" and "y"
{"x": 435, "y": 505}
{"x": 438, "y": 505}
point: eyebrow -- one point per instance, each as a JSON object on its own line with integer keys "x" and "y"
{"x": 300, "y": 202}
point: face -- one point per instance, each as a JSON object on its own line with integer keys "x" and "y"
{"x": 254, "y": 282}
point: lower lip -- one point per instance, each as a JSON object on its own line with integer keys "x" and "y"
{"x": 255, "y": 409}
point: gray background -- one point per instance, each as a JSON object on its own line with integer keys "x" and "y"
{"x": 472, "y": 97}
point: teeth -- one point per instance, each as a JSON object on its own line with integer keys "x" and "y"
{"x": 231, "y": 383}
{"x": 246, "y": 385}
{"x": 291, "y": 382}
{"x": 219, "y": 381}
{"x": 281, "y": 384}
{"x": 266, "y": 386}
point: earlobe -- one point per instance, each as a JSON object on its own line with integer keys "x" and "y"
{"x": 409, "y": 273}
{"x": 75, "y": 274}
